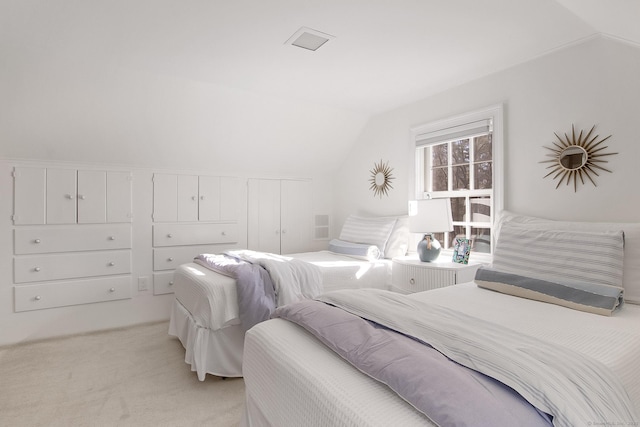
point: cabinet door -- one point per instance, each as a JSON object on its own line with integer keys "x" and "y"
{"x": 209, "y": 194}
{"x": 295, "y": 217}
{"x": 61, "y": 196}
{"x": 92, "y": 197}
{"x": 263, "y": 222}
{"x": 229, "y": 198}
{"x": 187, "y": 198}
{"x": 119, "y": 197}
{"x": 165, "y": 197}
{"x": 29, "y": 195}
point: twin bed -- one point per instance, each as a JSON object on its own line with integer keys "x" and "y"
{"x": 206, "y": 315}
{"x": 556, "y": 348}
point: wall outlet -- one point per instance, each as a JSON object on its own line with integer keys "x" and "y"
{"x": 143, "y": 283}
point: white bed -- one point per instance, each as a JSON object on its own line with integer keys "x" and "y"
{"x": 205, "y": 315}
{"x": 292, "y": 378}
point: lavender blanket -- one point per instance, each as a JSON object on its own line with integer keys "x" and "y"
{"x": 254, "y": 287}
{"x": 446, "y": 392}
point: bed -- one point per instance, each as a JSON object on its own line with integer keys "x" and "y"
{"x": 206, "y": 315}
{"x": 523, "y": 352}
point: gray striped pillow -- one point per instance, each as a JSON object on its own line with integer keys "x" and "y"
{"x": 561, "y": 256}
{"x": 372, "y": 231}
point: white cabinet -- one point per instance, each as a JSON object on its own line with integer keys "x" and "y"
{"x": 57, "y": 266}
{"x": 70, "y": 196}
{"x": 190, "y": 198}
{"x": 192, "y": 214}
{"x": 409, "y": 274}
{"x": 279, "y": 215}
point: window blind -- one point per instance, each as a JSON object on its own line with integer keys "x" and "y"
{"x": 454, "y": 132}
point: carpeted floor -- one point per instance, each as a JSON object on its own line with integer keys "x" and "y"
{"x": 126, "y": 377}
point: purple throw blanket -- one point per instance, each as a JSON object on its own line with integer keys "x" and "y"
{"x": 446, "y": 392}
{"x": 256, "y": 295}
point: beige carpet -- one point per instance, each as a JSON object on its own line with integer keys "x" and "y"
{"x": 126, "y": 377}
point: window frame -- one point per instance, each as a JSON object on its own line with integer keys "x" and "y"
{"x": 496, "y": 115}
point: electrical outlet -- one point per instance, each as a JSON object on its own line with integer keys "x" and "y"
{"x": 143, "y": 283}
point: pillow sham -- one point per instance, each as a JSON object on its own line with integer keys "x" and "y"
{"x": 398, "y": 242}
{"x": 631, "y": 266}
{"x": 560, "y": 256}
{"x": 371, "y": 231}
{"x": 356, "y": 250}
{"x": 598, "y": 299}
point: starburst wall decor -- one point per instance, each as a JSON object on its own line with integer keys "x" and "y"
{"x": 575, "y": 158}
{"x": 381, "y": 178}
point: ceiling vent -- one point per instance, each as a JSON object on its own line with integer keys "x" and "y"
{"x": 309, "y": 39}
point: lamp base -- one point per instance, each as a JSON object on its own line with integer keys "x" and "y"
{"x": 428, "y": 248}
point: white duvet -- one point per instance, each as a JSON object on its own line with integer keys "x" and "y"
{"x": 290, "y": 377}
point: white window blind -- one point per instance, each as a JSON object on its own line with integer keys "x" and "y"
{"x": 454, "y": 133}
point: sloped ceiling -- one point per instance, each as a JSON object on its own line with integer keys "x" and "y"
{"x": 386, "y": 53}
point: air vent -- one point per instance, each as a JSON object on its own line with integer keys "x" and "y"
{"x": 309, "y": 39}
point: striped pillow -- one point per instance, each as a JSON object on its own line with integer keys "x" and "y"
{"x": 560, "y": 256}
{"x": 372, "y": 231}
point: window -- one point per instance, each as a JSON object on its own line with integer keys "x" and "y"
{"x": 460, "y": 159}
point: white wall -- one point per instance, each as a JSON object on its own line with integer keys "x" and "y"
{"x": 591, "y": 83}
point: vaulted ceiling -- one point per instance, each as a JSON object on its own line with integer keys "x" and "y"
{"x": 385, "y": 53}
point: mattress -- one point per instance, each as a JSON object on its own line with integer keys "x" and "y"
{"x": 205, "y": 314}
{"x": 293, "y": 379}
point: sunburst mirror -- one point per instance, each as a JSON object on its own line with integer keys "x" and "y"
{"x": 575, "y": 158}
{"x": 381, "y": 178}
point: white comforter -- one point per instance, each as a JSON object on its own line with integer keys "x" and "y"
{"x": 574, "y": 388}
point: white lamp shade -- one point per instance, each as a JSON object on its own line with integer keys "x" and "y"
{"x": 430, "y": 216}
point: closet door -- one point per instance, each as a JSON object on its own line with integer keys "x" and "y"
{"x": 165, "y": 197}
{"x": 119, "y": 197}
{"x": 263, "y": 227}
{"x": 29, "y": 195}
{"x": 229, "y": 191}
{"x": 209, "y": 204}
{"x": 187, "y": 197}
{"x": 295, "y": 217}
{"x": 61, "y": 196}
{"x": 92, "y": 197}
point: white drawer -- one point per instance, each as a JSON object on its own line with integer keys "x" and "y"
{"x": 163, "y": 283}
{"x": 72, "y": 238}
{"x": 60, "y": 294}
{"x": 194, "y": 234}
{"x": 68, "y": 266}
{"x": 171, "y": 257}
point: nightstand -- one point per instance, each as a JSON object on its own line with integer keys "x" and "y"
{"x": 409, "y": 274}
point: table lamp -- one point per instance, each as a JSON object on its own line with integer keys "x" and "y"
{"x": 427, "y": 217}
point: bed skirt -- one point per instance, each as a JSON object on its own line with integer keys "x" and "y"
{"x": 216, "y": 352}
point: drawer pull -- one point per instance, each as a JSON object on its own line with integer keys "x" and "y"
{"x": 169, "y": 235}
{"x": 112, "y": 237}
{"x": 111, "y": 264}
{"x": 112, "y": 290}
{"x": 36, "y": 241}
{"x": 412, "y": 281}
{"x": 170, "y": 259}
{"x": 37, "y": 298}
{"x": 171, "y": 283}
{"x": 224, "y": 233}
{"x": 36, "y": 269}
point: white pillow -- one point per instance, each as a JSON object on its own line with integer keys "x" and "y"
{"x": 560, "y": 256}
{"x": 398, "y": 242}
{"x": 631, "y": 266}
{"x": 355, "y": 250}
{"x": 372, "y": 231}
